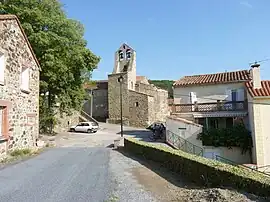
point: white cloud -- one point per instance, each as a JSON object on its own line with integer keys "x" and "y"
{"x": 246, "y": 4}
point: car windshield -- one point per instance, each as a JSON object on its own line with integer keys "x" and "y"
{"x": 94, "y": 124}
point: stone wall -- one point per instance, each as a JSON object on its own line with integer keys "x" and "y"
{"x": 22, "y": 113}
{"x": 3, "y": 149}
{"x": 100, "y": 104}
{"x": 114, "y": 97}
{"x": 64, "y": 121}
{"x": 138, "y": 109}
{"x": 160, "y": 103}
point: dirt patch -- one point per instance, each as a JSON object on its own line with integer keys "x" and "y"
{"x": 167, "y": 187}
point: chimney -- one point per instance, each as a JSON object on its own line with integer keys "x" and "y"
{"x": 256, "y": 76}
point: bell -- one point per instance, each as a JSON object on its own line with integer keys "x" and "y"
{"x": 128, "y": 54}
{"x": 121, "y": 55}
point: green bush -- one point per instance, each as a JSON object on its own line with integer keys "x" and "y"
{"x": 236, "y": 136}
{"x": 201, "y": 170}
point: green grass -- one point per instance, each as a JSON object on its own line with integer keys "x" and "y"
{"x": 20, "y": 152}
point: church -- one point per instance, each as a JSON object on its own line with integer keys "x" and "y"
{"x": 142, "y": 102}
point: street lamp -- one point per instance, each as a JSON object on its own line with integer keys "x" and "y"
{"x": 120, "y": 80}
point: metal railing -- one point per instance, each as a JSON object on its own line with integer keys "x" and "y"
{"x": 88, "y": 117}
{"x": 227, "y": 161}
{"x": 180, "y": 143}
{"x": 210, "y": 107}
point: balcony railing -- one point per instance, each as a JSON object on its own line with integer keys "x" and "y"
{"x": 210, "y": 107}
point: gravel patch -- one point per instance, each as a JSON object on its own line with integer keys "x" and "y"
{"x": 126, "y": 186}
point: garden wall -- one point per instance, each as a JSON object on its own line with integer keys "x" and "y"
{"x": 201, "y": 170}
{"x": 233, "y": 154}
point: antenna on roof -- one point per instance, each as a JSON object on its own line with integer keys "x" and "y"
{"x": 256, "y": 62}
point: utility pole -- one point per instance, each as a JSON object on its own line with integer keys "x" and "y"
{"x": 91, "y": 102}
{"x": 120, "y": 80}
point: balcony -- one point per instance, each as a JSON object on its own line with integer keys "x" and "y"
{"x": 210, "y": 107}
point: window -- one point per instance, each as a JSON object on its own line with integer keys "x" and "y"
{"x": 136, "y": 104}
{"x": 2, "y": 68}
{"x": 125, "y": 68}
{"x": 120, "y": 55}
{"x": 213, "y": 123}
{"x": 229, "y": 122}
{"x": 128, "y": 54}
{"x": 25, "y": 79}
{"x": 80, "y": 124}
{"x": 234, "y": 95}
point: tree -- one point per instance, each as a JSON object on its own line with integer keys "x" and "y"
{"x": 59, "y": 45}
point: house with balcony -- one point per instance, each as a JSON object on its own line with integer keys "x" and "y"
{"x": 212, "y": 100}
{"x": 209, "y": 101}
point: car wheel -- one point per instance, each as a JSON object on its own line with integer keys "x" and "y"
{"x": 94, "y": 131}
{"x": 89, "y": 131}
{"x": 72, "y": 130}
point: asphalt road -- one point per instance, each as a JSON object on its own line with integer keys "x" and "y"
{"x": 60, "y": 174}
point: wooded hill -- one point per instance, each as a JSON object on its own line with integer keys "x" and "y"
{"x": 164, "y": 84}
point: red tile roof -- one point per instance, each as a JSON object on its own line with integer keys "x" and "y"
{"x": 218, "y": 78}
{"x": 14, "y": 17}
{"x": 263, "y": 91}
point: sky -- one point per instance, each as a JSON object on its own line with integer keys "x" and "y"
{"x": 176, "y": 38}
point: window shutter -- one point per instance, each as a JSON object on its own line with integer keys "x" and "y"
{"x": 240, "y": 94}
{"x": 229, "y": 94}
{"x": 25, "y": 79}
{"x": 193, "y": 97}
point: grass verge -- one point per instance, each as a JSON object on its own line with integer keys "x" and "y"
{"x": 21, "y": 154}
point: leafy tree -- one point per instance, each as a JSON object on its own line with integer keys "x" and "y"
{"x": 59, "y": 45}
{"x": 164, "y": 84}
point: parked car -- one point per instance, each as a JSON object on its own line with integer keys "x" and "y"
{"x": 89, "y": 127}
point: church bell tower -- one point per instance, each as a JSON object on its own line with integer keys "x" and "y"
{"x": 125, "y": 62}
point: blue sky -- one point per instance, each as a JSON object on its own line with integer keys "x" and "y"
{"x": 175, "y": 38}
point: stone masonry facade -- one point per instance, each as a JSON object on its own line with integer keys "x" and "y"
{"x": 143, "y": 103}
{"x": 20, "y": 108}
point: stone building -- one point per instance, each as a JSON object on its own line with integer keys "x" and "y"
{"x": 143, "y": 103}
{"x": 19, "y": 87}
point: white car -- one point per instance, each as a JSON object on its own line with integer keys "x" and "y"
{"x": 89, "y": 127}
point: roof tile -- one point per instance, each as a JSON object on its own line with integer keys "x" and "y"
{"x": 259, "y": 92}
{"x": 218, "y": 78}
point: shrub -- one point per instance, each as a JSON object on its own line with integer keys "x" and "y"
{"x": 236, "y": 136}
{"x": 201, "y": 170}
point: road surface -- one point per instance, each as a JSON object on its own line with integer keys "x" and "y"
{"x": 80, "y": 168}
{"x": 83, "y": 168}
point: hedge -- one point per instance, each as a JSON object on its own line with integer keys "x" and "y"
{"x": 201, "y": 170}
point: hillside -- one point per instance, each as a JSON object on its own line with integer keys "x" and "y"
{"x": 164, "y": 84}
